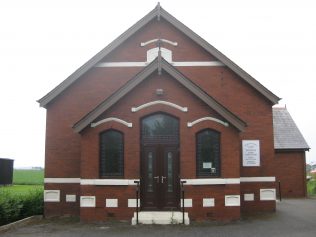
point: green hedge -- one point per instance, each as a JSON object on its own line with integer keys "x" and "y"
{"x": 15, "y": 207}
{"x": 311, "y": 187}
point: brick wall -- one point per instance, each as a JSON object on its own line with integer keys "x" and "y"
{"x": 291, "y": 172}
{"x": 76, "y": 155}
{"x": 63, "y": 208}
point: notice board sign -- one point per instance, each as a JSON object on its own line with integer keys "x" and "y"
{"x": 250, "y": 153}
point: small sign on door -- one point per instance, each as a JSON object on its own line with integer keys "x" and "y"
{"x": 207, "y": 165}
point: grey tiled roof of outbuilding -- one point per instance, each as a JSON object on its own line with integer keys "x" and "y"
{"x": 286, "y": 133}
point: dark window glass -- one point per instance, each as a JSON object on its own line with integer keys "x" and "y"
{"x": 208, "y": 153}
{"x": 160, "y": 129}
{"x": 111, "y": 154}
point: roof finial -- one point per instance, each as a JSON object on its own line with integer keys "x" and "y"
{"x": 158, "y": 11}
{"x": 159, "y": 62}
{"x": 159, "y": 56}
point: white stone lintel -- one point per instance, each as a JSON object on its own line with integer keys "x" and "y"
{"x": 211, "y": 181}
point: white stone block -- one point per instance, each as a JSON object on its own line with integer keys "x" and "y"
{"x": 208, "y": 202}
{"x": 132, "y": 203}
{"x": 87, "y": 201}
{"x": 70, "y": 198}
{"x": 249, "y": 197}
{"x": 51, "y": 195}
{"x": 187, "y": 202}
{"x": 267, "y": 194}
{"x": 232, "y": 200}
{"x": 111, "y": 202}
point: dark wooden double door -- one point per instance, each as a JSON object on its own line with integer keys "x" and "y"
{"x": 160, "y": 184}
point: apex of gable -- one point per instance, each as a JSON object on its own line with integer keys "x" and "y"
{"x": 158, "y": 12}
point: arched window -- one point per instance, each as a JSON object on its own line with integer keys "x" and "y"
{"x": 111, "y": 154}
{"x": 208, "y": 153}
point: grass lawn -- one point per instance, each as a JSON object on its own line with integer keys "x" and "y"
{"x": 20, "y": 190}
{"x": 28, "y": 177}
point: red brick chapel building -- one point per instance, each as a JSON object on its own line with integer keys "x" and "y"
{"x": 160, "y": 105}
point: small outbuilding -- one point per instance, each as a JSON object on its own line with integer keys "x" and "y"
{"x": 6, "y": 171}
{"x": 290, "y": 147}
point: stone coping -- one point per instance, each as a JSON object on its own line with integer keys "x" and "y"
{"x": 20, "y": 223}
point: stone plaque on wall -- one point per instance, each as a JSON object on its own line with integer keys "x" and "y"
{"x": 250, "y": 153}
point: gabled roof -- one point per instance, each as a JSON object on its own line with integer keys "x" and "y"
{"x": 158, "y": 13}
{"x": 287, "y": 136}
{"x": 158, "y": 65}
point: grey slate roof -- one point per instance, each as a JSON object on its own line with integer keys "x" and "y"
{"x": 286, "y": 133}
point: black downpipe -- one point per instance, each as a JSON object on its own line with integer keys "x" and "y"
{"x": 182, "y": 199}
{"x": 137, "y": 198}
{"x": 280, "y": 195}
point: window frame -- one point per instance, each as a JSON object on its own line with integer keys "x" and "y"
{"x": 111, "y": 175}
{"x": 200, "y": 174}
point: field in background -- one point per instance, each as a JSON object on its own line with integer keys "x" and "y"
{"x": 29, "y": 177}
{"x": 21, "y": 189}
{"x": 24, "y": 182}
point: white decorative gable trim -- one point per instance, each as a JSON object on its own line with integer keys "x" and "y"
{"x": 183, "y": 109}
{"x": 190, "y": 124}
{"x": 142, "y": 44}
{"x": 153, "y": 53}
{"x": 93, "y": 125}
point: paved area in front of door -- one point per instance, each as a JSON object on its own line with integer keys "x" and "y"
{"x": 294, "y": 217}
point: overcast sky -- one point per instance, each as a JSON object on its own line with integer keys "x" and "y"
{"x": 43, "y": 42}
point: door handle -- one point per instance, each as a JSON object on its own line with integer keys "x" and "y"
{"x": 162, "y": 179}
{"x": 157, "y": 178}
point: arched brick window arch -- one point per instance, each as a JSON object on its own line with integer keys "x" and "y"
{"x": 111, "y": 154}
{"x": 208, "y": 155}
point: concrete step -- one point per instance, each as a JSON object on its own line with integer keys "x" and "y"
{"x": 161, "y": 217}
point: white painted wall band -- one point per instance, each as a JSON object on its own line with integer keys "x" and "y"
{"x": 213, "y": 181}
{"x": 209, "y": 181}
{"x": 62, "y": 180}
{"x": 257, "y": 179}
{"x": 176, "y": 64}
{"x": 118, "y": 182}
